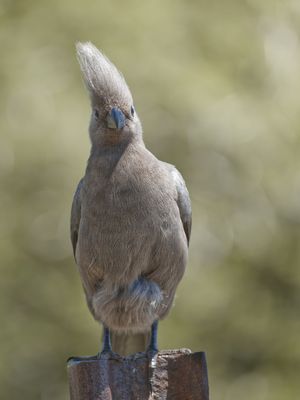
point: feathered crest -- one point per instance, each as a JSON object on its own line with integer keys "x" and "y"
{"x": 102, "y": 78}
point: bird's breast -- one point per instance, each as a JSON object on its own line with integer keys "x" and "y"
{"x": 125, "y": 217}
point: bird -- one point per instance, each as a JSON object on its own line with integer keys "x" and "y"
{"x": 131, "y": 216}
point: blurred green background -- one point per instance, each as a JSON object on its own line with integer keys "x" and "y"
{"x": 217, "y": 87}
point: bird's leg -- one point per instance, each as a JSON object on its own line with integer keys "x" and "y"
{"x": 153, "y": 338}
{"x": 106, "y": 341}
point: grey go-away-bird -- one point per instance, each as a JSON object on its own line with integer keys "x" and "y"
{"x": 131, "y": 215}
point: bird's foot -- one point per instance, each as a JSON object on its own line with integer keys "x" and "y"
{"x": 107, "y": 351}
{"x": 152, "y": 357}
{"x": 81, "y": 359}
{"x": 152, "y": 349}
{"x": 105, "y": 354}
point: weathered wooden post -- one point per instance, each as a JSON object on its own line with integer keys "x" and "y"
{"x": 177, "y": 375}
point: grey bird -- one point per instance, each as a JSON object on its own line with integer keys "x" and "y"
{"x": 131, "y": 215}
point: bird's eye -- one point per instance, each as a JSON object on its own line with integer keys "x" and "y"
{"x": 96, "y": 113}
{"x": 132, "y": 111}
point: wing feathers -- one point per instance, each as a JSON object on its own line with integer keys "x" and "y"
{"x": 75, "y": 216}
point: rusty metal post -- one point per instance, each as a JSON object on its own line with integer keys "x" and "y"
{"x": 177, "y": 375}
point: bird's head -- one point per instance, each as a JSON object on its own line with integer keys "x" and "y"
{"x": 113, "y": 118}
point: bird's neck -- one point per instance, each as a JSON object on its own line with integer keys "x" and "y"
{"x": 104, "y": 158}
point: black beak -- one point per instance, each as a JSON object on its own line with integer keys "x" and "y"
{"x": 115, "y": 119}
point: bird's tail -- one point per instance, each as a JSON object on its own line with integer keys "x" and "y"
{"x": 129, "y": 310}
{"x": 125, "y": 344}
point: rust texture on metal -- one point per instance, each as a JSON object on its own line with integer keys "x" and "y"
{"x": 170, "y": 375}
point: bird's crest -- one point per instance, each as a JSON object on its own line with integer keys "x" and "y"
{"x": 102, "y": 79}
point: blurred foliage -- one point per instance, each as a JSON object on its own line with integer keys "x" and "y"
{"x": 217, "y": 86}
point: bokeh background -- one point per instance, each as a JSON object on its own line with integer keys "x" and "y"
{"x": 217, "y": 86}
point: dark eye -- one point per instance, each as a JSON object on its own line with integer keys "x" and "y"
{"x": 96, "y": 114}
{"x": 132, "y": 111}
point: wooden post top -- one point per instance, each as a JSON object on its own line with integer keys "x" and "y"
{"x": 168, "y": 375}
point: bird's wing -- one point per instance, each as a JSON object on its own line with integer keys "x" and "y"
{"x": 75, "y": 216}
{"x": 183, "y": 200}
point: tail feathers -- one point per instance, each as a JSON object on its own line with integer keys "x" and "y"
{"x": 125, "y": 344}
{"x": 130, "y": 309}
